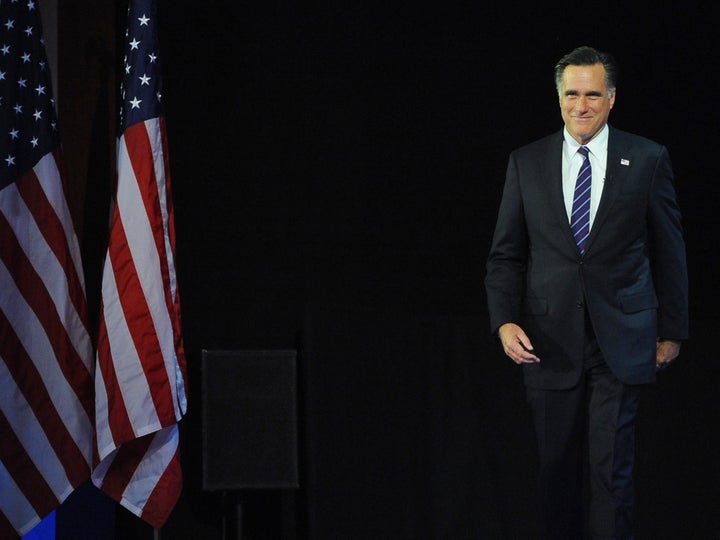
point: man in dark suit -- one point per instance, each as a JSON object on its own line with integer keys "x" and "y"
{"x": 590, "y": 309}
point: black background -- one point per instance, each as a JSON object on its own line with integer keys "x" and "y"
{"x": 355, "y": 152}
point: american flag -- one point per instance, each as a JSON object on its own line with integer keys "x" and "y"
{"x": 46, "y": 367}
{"x": 140, "y": 376}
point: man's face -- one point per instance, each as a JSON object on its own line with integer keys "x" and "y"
{"x": 584, "y": 101}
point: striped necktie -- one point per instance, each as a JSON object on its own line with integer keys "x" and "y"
{"x": 580, "y": 217}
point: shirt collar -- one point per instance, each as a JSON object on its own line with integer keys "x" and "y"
{"x": 597, "y": 146}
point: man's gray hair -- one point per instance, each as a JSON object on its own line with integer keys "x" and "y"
{"x": 588, "y": 56}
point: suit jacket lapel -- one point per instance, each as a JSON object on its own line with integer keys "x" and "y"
{"x": 617, "y": 167}
{"x": 553, "y": 173}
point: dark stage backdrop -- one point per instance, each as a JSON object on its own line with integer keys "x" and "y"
{"x": 336, "y": 171}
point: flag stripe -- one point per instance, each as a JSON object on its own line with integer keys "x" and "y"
{"x": 132, "y": 340}
{"x": 109, "y": 434}
{"x": 143, "y": 287}
{"x": 145, "y": 475}
{"x": 165, "y": 191}
{"x": 34, "y": 410}
{"x": 26, "y": 477}
{"x": 168, "y": 261}
{"x": 44, "y": 193}
{"x": 122, "y": 466}
{"x": 138, "y": 149}
{"x": 50, "y": 294}
{"x": 7, "y": 529}
{"x": 161, "y": 487}
{"x": 17, "y": 515}
{"x": 33, "y": 330}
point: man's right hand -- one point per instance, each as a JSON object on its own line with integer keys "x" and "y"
{"x": 516, "y": 344}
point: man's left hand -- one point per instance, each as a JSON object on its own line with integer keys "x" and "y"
{"x": 667, "y": 351}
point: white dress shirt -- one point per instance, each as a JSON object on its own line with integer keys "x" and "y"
{"x": 571, "y": 162}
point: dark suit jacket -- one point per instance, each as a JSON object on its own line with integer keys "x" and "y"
{"x": 632, "y": 279}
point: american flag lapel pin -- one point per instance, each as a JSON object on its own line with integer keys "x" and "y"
{"x": 625, "y": 162}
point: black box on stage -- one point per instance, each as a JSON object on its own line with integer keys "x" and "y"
{"x": 249, "y": 419}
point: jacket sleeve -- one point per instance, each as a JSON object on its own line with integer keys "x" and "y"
{"x": 667, "y": 252}
{"x": 507, "y": 259}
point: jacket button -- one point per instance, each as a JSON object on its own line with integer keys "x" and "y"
{"x": 579, "y": 305}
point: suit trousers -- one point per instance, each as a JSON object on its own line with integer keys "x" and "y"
{"x": 596, "y": 416}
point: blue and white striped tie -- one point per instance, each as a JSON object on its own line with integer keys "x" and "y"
{"x": 580, "y": 217}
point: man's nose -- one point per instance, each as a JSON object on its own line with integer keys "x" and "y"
{"x": 581, "y": 103}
